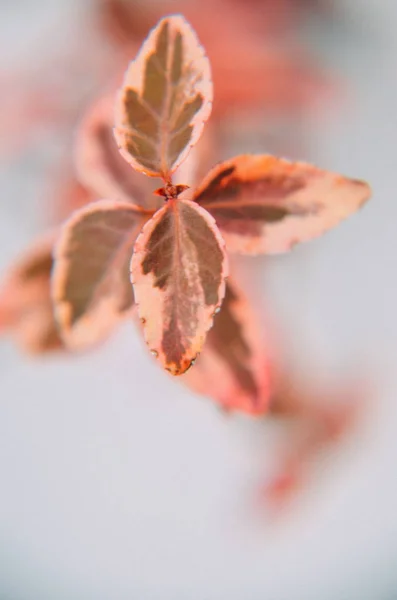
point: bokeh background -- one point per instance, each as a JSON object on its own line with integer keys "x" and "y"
{"x": 116, "y": 481}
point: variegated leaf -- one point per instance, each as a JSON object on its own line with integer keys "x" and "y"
{"x": 165, "y": 100}
{"x": 264, "y": 204}
{"x": 233, "y": 368}
{"x": 102, "y": 169}
{"x": 91, "y": 285}
{"x": 100, "y": 166}
{"x": 26, "y": 311}
{"x": 178, "y": 272}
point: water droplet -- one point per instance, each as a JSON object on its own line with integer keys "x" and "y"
{"x": 154, "y": 353}
{"x": 192, "y": 363}
{"x": 194, "y": 359}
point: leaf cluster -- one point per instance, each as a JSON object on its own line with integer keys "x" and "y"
{"x": 166, "y": 255}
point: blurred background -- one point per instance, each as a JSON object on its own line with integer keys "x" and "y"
{"x": 118, "y": 482}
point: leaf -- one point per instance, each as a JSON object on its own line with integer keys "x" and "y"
{"x": 66, "y": 194}
{"x": 317, "y": 418}
{"x": 264, "y": 204}
{"x": 260, "y": 73}
{"x": 26, "y": 310}
{"x": 37, "y": 331}
{"x": 233, "y": 368}
{"x": 119, "y": 20}
{"x": 165, "y": 100}
{"x": 178, "y": 272}
{"x": 99, "y": 164}
{"x": 91, "y": 287}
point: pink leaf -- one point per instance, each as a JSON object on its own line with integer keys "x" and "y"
{"x": 165, "y": 100}
{"x": 91, "y": 287}
{"x": 264, "y": 204}
{"x": 100, "y": 166}
{"x": 233, "y": 368}
{"x": 26, "y": 310}
{"x": 178, "y": 271}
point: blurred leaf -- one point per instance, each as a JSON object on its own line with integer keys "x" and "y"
{"x": 318, "y": 419}
{"x": 264, "y": 204}
{"x": 119, "y": 19}
{"x": 26, "y": 311}
{"x": 91, "y": 284}
{"x": 267, "y": 70}
{"x": 66, "y": 194}
{"x": 100, "y": 167}
{"x": 165, "y": 100}
{"x": 234, "y": 366}
{"x": 178, "y": 271}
